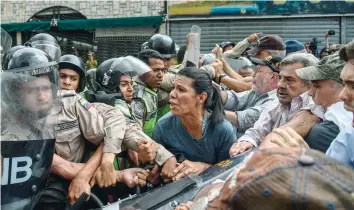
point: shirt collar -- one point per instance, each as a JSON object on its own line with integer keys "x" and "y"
{"x": 272, "y": 92}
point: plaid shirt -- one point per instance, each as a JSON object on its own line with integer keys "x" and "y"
{"x": 279, "y": 114}
{"x": 248, "y": 106}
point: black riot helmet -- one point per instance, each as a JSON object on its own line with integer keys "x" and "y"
{"x": 91, "y": 83}
{"x": 163, "y": 44}
{"x": 25, "y": 67}
{"x": 101, "y": 71}
{"x": 47, "y": 43}
{"x": 9, "y": 54}
{"x": 109, "y": 72}
{"x": 74, "y": 63}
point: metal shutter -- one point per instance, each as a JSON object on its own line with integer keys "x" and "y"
{"x": 349, "y": 29}
{"x": 116, "y": 42}
{"x": 217, "y": 31}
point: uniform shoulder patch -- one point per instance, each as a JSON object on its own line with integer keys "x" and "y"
{"x": 84, "y": 103}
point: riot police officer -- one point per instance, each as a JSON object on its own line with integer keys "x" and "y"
{"x": 145, "y": 103}
{"x": 47, "y": 43}
{"x": 165, "y": 45}
{"x": 74, "y": 126}
{"x": 8, "y": 55}
{"x": 72, "y": 73}
{"x": 27, "y": 96}
{"x": 120, "y": 82}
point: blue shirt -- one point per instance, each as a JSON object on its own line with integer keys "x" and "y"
{"x": 342, "y": 148}
{"x": 212, "y": 148}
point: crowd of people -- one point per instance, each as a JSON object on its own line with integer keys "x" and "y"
{"x": 156, "y": 117}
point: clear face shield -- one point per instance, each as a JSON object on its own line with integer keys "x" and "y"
{"x": 27, "y": 140}
{"x": 52, "y": 49}
{"x": 130, "y": 66}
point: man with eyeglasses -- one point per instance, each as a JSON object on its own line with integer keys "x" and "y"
{"x": 243, "y": 109}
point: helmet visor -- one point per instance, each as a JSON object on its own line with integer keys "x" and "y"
{"x": 130, "y": 66}
{"x": 29, "y": 94}
{"x": 52, "y": 49}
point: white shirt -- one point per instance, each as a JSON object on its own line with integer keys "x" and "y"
{"x": 339, "y": 116}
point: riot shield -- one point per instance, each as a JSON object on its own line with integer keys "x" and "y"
{"x": 193, "y": 49}
{"x": 6, "y": 41}
{"x": 28, "y": 104}
{"x": 25, "y": 168}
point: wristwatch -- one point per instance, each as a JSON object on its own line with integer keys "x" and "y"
{"x": 221, "y": 76}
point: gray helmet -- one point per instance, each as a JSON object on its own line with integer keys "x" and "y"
{"x": 108, "y": 76}
{"x": 47, "y": 43}
{"x": 74, "y": 63}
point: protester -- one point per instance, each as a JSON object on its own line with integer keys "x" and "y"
{"x": 241, "y": 46}
{"x": 91, "y": 63}
{"x": 267, "y": 45}
{"x": 325, "y": 90}
{"x": 226, "y": 46}
{"x": 294, "y": 46}
{"x": 342, "y": 146}
{"x": 231, "y": 79}
{"x": 264, "y": 179}
{"x": 195, "y": 126}
{"x": 244, "y": 110}
{"x": 293, "y": 97}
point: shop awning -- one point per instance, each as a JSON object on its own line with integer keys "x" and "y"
{"x": 150, "y": 21}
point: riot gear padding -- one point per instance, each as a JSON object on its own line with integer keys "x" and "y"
{"x": 47, "y": 43}
{"x": 164, "y": 45}
{"x": 28, "y": 65}
{"x": 74, "y": 63}
{"x": 32, "y": 160}
{"x": 9, "y": 55}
